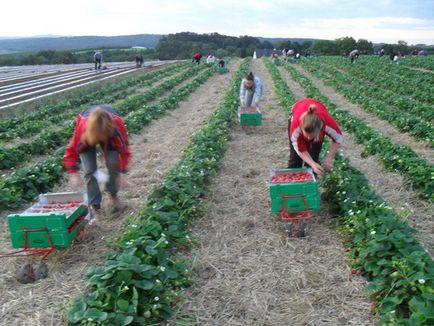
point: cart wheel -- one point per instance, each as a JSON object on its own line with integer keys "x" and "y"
{"x": 289, "y": 229}
{"x": 80, "y": 234}
{"x": 26, "y": 274}
{"x": 41, "y": 271}
{"x": 302, "y": 229}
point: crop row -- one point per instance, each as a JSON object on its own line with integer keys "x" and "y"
{"x": 142, "y": 281}
{"x": 415, "y": 120}
{"x": 383, "y": 248}
{"x": 32, "y": 123}
{"x": 420, "y": 62}
{"x": 419, "y": 174}
{"x": 25, "y": 184}
{"x": 413, "y": 83}
{"x": 49, "y": 140}
{"x": 384, "y": 78}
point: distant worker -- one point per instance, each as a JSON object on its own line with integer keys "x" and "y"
{"x": 354, "y": 55}
{"x": 196, "y": 57}
{"x": 139, "y": 60}
{"x": 221, "y": 62}
{"x": 210, "y": 59}
{"x": 297, "y": 56}
{"x": 250, "y": 91}
{"x": 285, "y": 53}
{"x": 382, "y": 52}
{"x": 394, "y": 59}
{"x": 97, "y": 58}
{"x": 308, "y": 123}
{"x": 98, "y": 125}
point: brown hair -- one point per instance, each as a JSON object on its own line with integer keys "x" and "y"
{"x": 99, "y": 127}
{"x": 250, "y": 76}
{"x": 310, "y": 122}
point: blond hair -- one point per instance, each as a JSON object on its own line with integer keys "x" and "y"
{"x": 310, "y": 122}
{"x": 100, "y": 126}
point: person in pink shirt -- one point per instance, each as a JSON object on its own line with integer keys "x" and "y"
{"x": 309, "y": 122}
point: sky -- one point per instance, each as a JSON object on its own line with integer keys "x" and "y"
{"x": 374, "y": 20}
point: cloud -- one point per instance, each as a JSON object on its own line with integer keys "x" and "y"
{"x": 370, "y": 22}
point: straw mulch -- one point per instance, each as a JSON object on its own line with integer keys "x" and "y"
{"x": 245, "y": 270}
{"x": 154, "y": 153}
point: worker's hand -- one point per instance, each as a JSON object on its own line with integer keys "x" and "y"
{"x": 74, "y": 180}
{"x": 256, "y": 104}
{"x": 328, "y": 163}
{"x": 318, "y": 169}
{"x": 242, "y": 104}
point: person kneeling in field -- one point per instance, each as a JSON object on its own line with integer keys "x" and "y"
{"x": 98, "y": 125}
{"x": 308, "y": 123}
{"x": 250, "y": 91}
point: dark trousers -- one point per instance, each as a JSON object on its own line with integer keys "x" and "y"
{"x": 295, "y": 161}
{"x": 97, "y": 64}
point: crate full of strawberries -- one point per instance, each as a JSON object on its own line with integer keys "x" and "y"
{"x": 300, "y": 183}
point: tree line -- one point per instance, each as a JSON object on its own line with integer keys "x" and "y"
{"x": 183, "y": 45}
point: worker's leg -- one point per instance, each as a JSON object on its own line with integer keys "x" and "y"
{"x": 314, "y": 151}
{"x": 88, "y": 161}
{"x": 294, "y": 161}
{"x": 112, "y": 185}
{"x": 248, "y": 98}
{"x": 112, "y": 161}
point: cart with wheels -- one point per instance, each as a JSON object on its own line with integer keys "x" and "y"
{"x": 249, "y": 117}
{"x": 53, "y": 222}
{"x": 294, "y": 195}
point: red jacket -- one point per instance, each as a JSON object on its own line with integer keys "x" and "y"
{"x": 330, "y": 127}
{"x": 117, "y": 142}
{"x": 197, "y": 55}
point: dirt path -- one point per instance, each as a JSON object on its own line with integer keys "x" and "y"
{"x": 387, "y": 184}
{"x": 154, "y": 153}
{"x": 246, "y": 270}
{"x": 386, "y": 129}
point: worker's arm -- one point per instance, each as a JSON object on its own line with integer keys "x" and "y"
{"x": 317, "y": 168}
{"x": 328, "y": 160}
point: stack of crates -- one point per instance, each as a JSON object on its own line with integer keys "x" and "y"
{"x": 293, "y": 182}
{"x": 249, "y": 116}
{"x": 61, "y": 214}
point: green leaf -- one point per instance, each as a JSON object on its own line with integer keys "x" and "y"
{"x": 95, "y": 314}
{"x": 122, "y": 305}
{"x": 143, "y": 284}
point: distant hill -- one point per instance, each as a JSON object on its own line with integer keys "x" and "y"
{"x": 31, "y": 44}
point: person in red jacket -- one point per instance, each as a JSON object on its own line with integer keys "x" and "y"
{"x": 308, "y": 124}
{"x": 196, "y": 57}
{"x": 98, "y": 125}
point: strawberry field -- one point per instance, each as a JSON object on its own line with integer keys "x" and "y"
{"x": 198, "y": 244}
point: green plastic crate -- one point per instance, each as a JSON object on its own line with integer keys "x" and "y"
{"x": 222, "y": 70}
{"x": 62, "y": 226}
{"x": 307, "y": 188}
{"x": 250, "y": 118}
